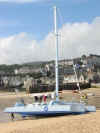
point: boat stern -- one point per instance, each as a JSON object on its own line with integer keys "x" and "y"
{"x": 90, "y": 108}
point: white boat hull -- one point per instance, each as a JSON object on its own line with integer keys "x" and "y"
{"x": 54, "y": 109}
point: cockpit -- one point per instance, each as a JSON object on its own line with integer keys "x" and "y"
{"x": 56, "y": 103}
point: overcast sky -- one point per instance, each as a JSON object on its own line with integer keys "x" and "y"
{"x": 26, "y": 29}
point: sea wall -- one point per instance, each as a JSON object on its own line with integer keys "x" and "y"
{"x": 68, "y": 86}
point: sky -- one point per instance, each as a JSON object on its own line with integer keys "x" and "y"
{"x": 26, "y": 29}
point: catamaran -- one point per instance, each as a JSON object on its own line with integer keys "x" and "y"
{"x": 54, "y": 107}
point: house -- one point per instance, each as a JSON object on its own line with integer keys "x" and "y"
{"x": 68, "y": 62}
{"x": 68, "y": 70}
{"x": 25, "y": 70}
{"x": 91, "y": 60}
{"x": 71, "y": 78}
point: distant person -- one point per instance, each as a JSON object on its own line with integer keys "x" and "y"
{"x": 12, "y": 116}
{"x": 41, "y": 98}
{"x": 36, "y": 98}
{"x": 44, "y": 98}
{"x": 85, "y": 98}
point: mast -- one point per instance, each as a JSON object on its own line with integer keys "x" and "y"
{"x": 78, "y": 85}
{"x": 56, "y": 61}
{"x": 76, "y": 78}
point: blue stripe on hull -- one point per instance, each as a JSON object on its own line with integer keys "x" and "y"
{"x": 48, "y": 113}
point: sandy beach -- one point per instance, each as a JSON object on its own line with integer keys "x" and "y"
{"x": 86, "y": 123}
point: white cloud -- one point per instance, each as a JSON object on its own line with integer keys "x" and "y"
{"x": 17, "y": 49}
{"x": 76, "y": 39}
{"x": 21, "y": 1}
{"x": 81, "y": 38}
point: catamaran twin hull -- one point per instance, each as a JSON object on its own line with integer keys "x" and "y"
{"x": 50, "y": 110}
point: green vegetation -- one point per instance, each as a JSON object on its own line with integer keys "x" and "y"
{"x": 9, "y": 68}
